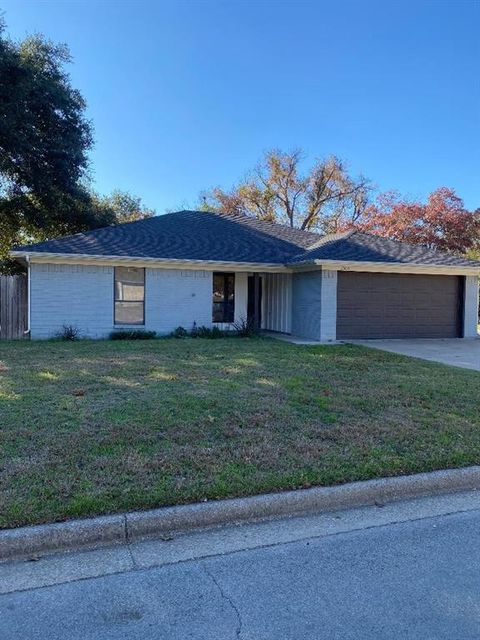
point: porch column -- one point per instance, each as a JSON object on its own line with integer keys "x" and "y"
{"x": 328, "y": 306}
{"x": 470, "y": 307}
{"x": 256, "y": 301}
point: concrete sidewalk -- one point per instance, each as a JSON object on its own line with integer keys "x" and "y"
{"x": 406, "y": 569}
{"x": 464, "y": 353}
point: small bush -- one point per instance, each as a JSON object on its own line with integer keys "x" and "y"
{"x": 132, "y": 334}
{"x": 215, "y": 332}
{"x": 207, "y": 332}
{"x": 202, "y": 332}
{"x": 68, "y": 332}
{"x": 179, "y": 332}
{"x": 194, "y": 331}
{"x": 245, "y": 328}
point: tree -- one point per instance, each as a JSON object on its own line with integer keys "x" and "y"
{"x": 474, "y": 251}
{"x": 320, "y": 199}
{"x": 44, "y": 143}
{"x": 124, "y": 207}
{"x": 440, "y": 223}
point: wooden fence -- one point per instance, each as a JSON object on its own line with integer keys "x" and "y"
{"x": 13, "y": 306}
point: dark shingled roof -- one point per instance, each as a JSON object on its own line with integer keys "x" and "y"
{"x": 196, "y": 235}
{"x": 365, "y": 247}
{"x": 188, "y": 235}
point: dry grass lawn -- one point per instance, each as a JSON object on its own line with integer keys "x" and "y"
{"x": 98, "y": 427}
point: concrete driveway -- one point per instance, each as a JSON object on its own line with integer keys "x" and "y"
{"x": 455, "y": 352}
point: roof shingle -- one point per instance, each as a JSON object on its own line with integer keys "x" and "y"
{"x": 207, "y": 236}
{"x": 188, "y": 235}
{"x": 354, "y": 246}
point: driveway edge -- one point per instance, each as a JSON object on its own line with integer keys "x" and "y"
{"x": 168, "y": 521}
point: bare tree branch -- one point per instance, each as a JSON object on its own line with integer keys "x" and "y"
{"x": 322, "y": 198}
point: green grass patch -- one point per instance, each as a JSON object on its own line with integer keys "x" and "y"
{"x": 98, "y": 427}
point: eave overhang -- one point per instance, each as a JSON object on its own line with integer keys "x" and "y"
{"x": 159, "y": 263}
{"x": 213, "y": 265}
{"x": 387, "y": 267}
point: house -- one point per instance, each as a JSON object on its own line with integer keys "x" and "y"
{"x": 214, "y": 270}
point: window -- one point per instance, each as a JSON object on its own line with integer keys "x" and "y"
{"x": 129, "y": 295}
{"x": 223, "y": 297}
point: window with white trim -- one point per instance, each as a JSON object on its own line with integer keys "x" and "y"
{"x": 129, "y": 291}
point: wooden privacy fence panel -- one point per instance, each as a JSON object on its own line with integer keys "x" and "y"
{"x": 13, "y": 306}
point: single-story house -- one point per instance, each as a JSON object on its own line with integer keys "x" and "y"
{"x": 216, "y": 270}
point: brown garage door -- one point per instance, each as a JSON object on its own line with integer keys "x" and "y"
{"x": 386, "y": 305}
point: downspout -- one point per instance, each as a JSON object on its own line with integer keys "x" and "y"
{"x": 27, "y": 331}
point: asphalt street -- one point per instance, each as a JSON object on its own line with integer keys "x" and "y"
{"x": 403, "y": 571}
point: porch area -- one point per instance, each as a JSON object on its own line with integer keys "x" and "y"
{"x": 294, "y": 307}
{"x": 269, "y": 302}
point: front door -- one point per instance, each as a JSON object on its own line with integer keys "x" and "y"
{"x": 254, "y": 305}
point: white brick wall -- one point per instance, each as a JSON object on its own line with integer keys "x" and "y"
{"x": 470, "y": 312}
{"x": 83, "y": 296}
{"x": 175, "y": 298}
{"x": 70, "y": 294}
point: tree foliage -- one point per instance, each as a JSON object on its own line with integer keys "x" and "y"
{"x": 44, "y": 143}
{"x": 440, "y": 223}
{"x": 124, "y": 207}
{"x": 277, "y": 190}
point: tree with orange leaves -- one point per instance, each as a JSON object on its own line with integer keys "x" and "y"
{"x": 440, "y": 223}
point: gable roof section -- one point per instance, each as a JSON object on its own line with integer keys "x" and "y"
{"x": 211, "y": 237}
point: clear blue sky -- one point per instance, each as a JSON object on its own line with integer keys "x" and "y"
{"x": 186, "y": 95}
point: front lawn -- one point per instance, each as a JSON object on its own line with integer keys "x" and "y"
{"x": 98, "y": 427}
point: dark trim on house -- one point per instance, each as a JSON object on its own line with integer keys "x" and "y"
{"x": 228, "y": 315}
{"x": 254, "y": 300}
{"x": 461, "y": 303}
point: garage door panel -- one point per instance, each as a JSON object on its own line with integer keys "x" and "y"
{"x": 384, "y": 305}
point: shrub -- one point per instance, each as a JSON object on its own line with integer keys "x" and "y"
{"x": 132, "y": 334}
{"x": 207, "y": 332}
{"x": 68, "y": 332}
{"x": 194, "y": 331}
{"x": 179, "y": 332}
{"x": 202, "y": 332}
{"x": 245, "y": 328}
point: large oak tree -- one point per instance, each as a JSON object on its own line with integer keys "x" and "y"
{"x": 44, "y": 142}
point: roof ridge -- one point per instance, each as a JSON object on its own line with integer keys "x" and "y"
{"x": 272, "y": 223}
{"x": 330, "y": 238}
{"x": 413, "y": 245}
{"x": 339, "y": 235}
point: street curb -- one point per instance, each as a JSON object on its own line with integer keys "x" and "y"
{"x": 168, "y": 521}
